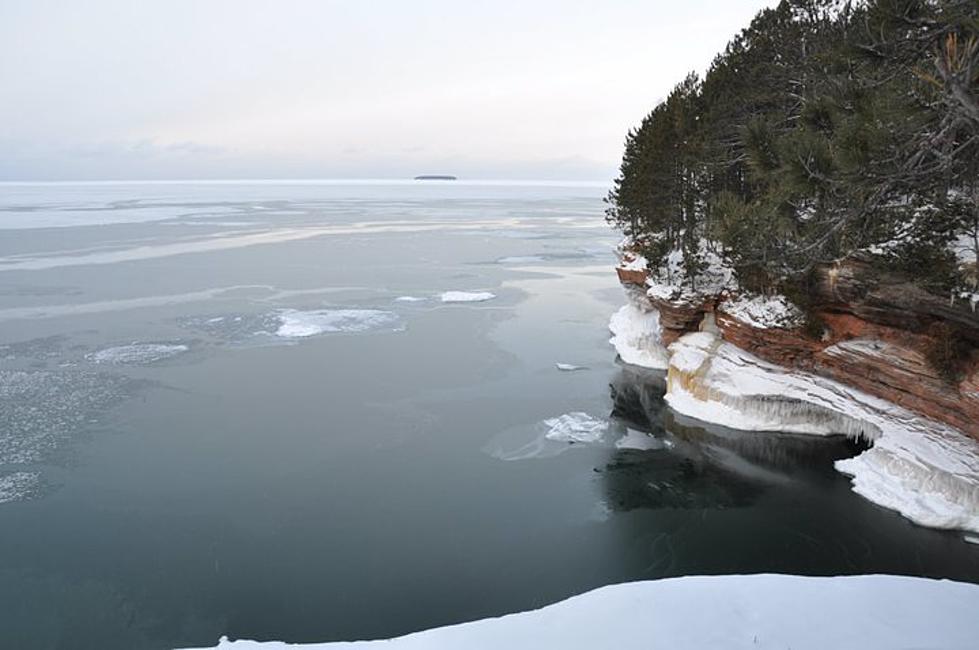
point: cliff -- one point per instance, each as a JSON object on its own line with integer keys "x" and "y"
{"x": 878, "y": 331}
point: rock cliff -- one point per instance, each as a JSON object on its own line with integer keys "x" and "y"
{"x": 877, "y": 333}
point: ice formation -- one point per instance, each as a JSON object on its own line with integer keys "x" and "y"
{"x": 575, "y": 427}
{"x": 294, "y": 323}
{"x": 467, "y": 296}
{"x": 409, "y": 299}
{"x": 137, "y": 353}
{"x": 754, "y": 612}
{"x": 569, "y": 367}
{"x": 636, "y": 337}
{"x": 925, "y": 470}
{"x": 18, "y": 486}
{"x": 41, "y": 412}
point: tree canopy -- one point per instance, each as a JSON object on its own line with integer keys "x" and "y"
{"x": 825, "y": 128}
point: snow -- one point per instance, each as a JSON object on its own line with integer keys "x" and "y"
{"x": 763, "y": 312}
{"x": 575, "y": 427}
{"x": 755, "y": 612}
{"x": 301, "y": 324}
{"x": 137, "y": 353}
{"x": 467, "y": 296}
{"x": 927, "y": 471}
{"x": 636, "y": 337}
{"x": 569, "y": 367}
{"x": 670, "y": 281}
{"x": 633, "y": 262}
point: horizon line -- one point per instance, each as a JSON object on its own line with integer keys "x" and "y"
{"x": 312, "y": 180}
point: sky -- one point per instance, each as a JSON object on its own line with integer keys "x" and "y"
{"x": 223, "y": 89}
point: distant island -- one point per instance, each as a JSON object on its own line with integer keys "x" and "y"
{"x": 435, "y": 177}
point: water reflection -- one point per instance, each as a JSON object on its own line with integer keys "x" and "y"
{"x": 701, "y": 465}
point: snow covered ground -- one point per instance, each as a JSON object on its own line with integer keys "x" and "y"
{"x": 763, "y": 311}
{"x": 925, "y": 470}
{"x": 755, "y": 612}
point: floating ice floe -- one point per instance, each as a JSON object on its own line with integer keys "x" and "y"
{"x": 19, "y": 486}
{"x": 575, "y": 427}
{"x": 569, "y": 367}
{"x": 753, "y": 612}
{"x": 467, "y": 296}
{"x": 548, "y": 438}
{"x": 137, "y": 353}
{"x": 301, "y": 324}
{"x": 927, "y": 471}
{"x": 409, "y": 299}
{"x": 41, "y": 410}
{"x": 554, "y": 436}
{"x": 636, "y": 337}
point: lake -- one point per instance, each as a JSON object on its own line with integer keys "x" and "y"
{"x": 314, "y": 411}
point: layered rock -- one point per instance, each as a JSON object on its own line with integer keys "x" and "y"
{"x": 877, "y": 328}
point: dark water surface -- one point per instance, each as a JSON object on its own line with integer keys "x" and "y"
{"x": 216, "y": 417}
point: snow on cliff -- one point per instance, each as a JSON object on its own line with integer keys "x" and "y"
{"x": 757, "y": 612}
{"x": 925, "y": 470}
{"x": 763, "y": 312}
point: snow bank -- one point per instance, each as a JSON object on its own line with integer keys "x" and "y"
{"x": 925, "y": 470}
{"x": 137, "y": 353}
{"x": 636, "y": 337}
{"x": 758, "y": 612}
{"x": 294, "y": 323}
{"x": 763, "y": 312}
{"x": 467, "y": 296}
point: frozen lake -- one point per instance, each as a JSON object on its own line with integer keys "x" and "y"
{"x": 317, "y": 411}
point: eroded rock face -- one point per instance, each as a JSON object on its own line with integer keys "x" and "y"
{"x": 675, "y": 318}
{"x": 877, "y": 329}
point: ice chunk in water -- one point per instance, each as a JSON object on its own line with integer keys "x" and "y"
{"x": 19, "y": 486}
{"x": 300, "y": 324}
{"x": 467, "y": 296}
{"x": 137, "y": 353}
{"x": 575, "y": 427}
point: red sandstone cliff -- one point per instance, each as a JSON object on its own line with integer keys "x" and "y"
{"x": 877, "y": 331}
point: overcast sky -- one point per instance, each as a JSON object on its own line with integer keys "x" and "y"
{"x": 130, "y": 89}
